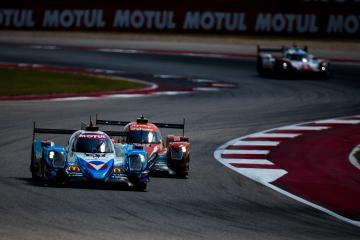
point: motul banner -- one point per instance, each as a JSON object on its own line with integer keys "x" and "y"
{"x": 277, "y": 17}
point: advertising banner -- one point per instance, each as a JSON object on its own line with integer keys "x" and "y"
{"x": 339, "y": 18}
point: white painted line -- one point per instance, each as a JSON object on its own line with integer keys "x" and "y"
{"x": 248, "y": 161}
{"x": 170, "y": 93}
{"x": 203, "y": 80}
{"x": 338, "y": 121}
{"x": 222, "y": 85}
{"x": 257, "y": 152}
{"x": 203, "y": 55}
{"x": 267, "y": 176}
{"x": 37, "y": 66}
{"x": 303, "y": 128}
{"x": 166, "y": 76}
{"x": 206, "y": 89}
{"x": 256, "y": 143}
{"x": 331, "y": 213}
{"x": 116, "y": 50}
{"x": 261, "y": 175}
{"x": 47, "y": 47}
{"x": 70, "y": 99}
{"x": 275, "y": 135}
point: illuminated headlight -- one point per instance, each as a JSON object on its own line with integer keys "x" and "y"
{"x": 323, "y": 66}
{"x": 304, "y": 60}
{"x": 183, "y": 149}
{"x": 57, "y": 158}
{"x": 51, "y": 154}
{"x": 142, "y": 158}
{"x": 285, "y": 65}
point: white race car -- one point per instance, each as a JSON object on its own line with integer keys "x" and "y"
{"x": 290, "y": 62}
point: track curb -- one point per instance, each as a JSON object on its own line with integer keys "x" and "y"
{"x": 267, "y": 172}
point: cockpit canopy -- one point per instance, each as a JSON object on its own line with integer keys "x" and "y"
{"x": 296, "y": 55}
{"x": 140, "y": 136}
{"x": 145, "y": 133}
{"x": 92, "y": 143}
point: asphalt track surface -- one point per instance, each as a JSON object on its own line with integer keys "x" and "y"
{"x": 214, "y": 202}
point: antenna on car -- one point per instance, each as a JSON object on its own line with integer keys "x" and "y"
{"x": 34, "y": 124}
{"x": 91, "y": 126}
{"x": 142, "y": 119}
{"x": 183, "y": 127}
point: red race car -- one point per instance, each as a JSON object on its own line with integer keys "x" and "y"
{"x": 171, "y": 156}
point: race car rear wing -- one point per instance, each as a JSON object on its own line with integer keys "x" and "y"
{"x": 282, "y": 49}
{"x": 159, "y": 125}
{"x": 70, "y": 131}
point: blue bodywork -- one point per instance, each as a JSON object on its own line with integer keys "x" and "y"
{"x": 55, "y": 163}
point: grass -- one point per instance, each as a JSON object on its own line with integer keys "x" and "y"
{"x": 22, "y": 82}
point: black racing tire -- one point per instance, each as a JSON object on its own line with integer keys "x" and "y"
{"x": 33, "y": 170}
{"x": 260, "y": 68}
{"x": 183, "y": 175}
{"x": 142, "y": 187}
{"x": 324, "y": 76}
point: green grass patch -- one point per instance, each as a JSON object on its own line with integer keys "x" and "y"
{"x": 21, "y": 82}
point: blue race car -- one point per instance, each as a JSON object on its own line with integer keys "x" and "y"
{"x": 90, "y": 156}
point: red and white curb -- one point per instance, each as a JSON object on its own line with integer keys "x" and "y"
{"x": 249, "y": 155}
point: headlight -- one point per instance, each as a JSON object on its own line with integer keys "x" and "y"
{"x": 323, "y": 66}
{"x": 136, "y": 162}
{"x": 183, "y": 149}
{"x": 177, "y": 153}
{"x": 285, "y": 65}
{"x": 58, "y": 159}
{"x": 51, "y": 154}
{"x": 142, "y": 158}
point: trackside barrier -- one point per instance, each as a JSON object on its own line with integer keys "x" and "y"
{"x": 311, "y": 18}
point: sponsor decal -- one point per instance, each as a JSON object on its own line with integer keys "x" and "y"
{"x": 337, "y": 17}
{"x": 141, "y": 127}
{"x": 92, "y": 136}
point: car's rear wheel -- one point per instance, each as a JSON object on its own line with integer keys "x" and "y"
{"x": 142, "y": 187}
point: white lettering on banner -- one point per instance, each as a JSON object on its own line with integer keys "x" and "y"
{"x": 16, "y": 18}
{"x": 158, "y": 20}
{"x": 286, "y": 23}
{"x": 343, "y": 24}
{"x": 215, "y": 21}
{"x": 93, "y": 18}
{"x": 336, "y": 1}
{"x": 122, "y": 19}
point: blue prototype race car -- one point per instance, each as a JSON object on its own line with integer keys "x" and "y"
{"x": 90, "y": 156}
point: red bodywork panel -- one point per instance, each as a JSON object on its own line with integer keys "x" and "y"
{"x": 172, "y": 141}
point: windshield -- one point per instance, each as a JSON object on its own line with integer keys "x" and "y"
{"x": 84, "y": 145}
{"x": 297, "y": 57}
{"x": 143, "y": 137}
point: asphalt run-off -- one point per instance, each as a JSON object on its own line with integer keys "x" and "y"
{"x": 309, "y": 162}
